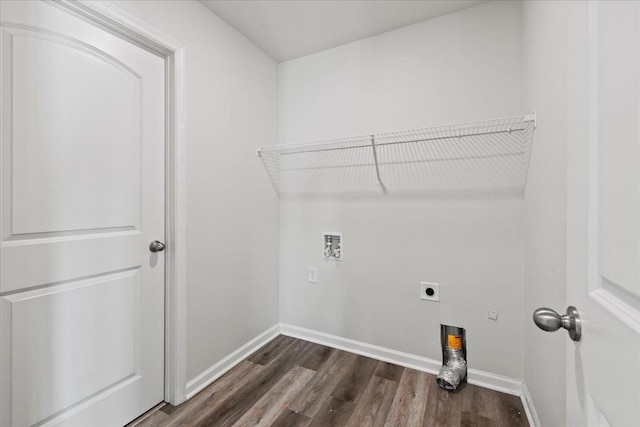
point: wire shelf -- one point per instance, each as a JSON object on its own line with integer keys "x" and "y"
{"x": 476, "y": 156}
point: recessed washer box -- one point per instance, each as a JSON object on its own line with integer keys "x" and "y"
{"x": 333, "y": 245}
{"x": 430, "y": 291}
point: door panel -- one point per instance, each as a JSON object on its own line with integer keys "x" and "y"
{"x": 81, "y": 197}
{"x": 619, "y": 147}
{"x": 71, "y": 170}
{"x": 603, "y": 280}
{"x": 93, "y": 319}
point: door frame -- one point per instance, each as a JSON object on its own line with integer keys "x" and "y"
{"x": 114, "y": 20}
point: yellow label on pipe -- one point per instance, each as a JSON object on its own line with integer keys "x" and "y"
{"x": 454, "y": 342}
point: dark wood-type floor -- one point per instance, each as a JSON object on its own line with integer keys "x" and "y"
{"x": 290, "y": 382}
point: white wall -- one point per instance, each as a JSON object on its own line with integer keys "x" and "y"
{"x": 232, "y": 211}
{"x": 544, "y": 47}
{"x": 460, "y": 67}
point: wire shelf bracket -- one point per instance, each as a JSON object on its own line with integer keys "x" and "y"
{"x": 482, "y": 155}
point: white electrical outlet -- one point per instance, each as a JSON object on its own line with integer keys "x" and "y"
{"x": 430, "y": 291}
{"x": 492, "y": 314}
{"x": 313, "y": 274}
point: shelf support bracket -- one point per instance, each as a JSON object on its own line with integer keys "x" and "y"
{"x": 375, "y": 159}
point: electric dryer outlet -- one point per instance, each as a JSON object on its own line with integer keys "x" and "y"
{"x": 430, "y": 291}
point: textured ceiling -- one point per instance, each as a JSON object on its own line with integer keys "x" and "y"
{"x": 288, "y": 29}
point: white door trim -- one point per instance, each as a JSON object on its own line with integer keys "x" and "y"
{"x": 116, "y": 21}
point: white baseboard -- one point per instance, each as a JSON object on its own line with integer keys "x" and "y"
{"x": 495, "y": 382}
{"x": 216, "y": 371}
{"x": 475, "y": 376}
{"x": 527, "y": 402}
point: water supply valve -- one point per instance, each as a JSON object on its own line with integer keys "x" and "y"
{"x": 333, "y": 245}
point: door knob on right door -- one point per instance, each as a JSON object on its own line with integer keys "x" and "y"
{"x": 549, "y": 320}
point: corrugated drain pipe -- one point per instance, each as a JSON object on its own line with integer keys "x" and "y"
{"x": 454, "y": 357}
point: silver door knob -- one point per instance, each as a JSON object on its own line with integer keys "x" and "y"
{"x": 156, "y": 246}
{"x": 549, "y": 320}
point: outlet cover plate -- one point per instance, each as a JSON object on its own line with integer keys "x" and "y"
{"x": 313, "y": 275}
{"x": 424, "y": 293}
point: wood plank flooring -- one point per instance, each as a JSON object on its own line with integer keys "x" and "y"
{"x": 291, "y": 382}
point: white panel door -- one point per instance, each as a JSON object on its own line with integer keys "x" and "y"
{"x": 603, "y": 246}
{"x": 81, "y": 198}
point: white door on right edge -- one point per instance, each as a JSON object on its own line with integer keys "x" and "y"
{"x": 603, "y": 246}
